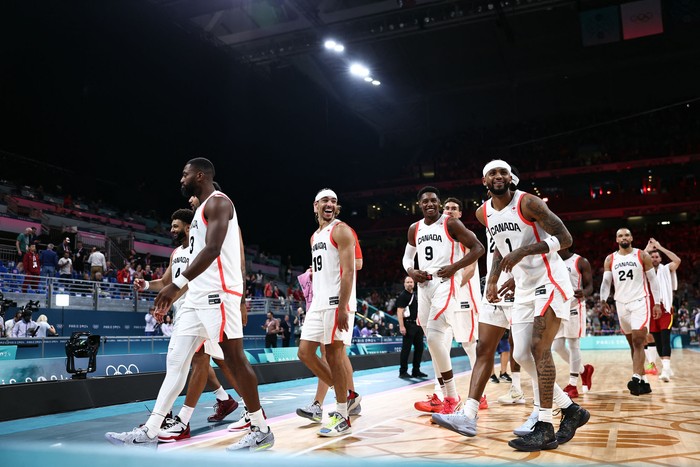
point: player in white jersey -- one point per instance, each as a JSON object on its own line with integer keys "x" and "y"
{"x": 527, "y": 236}
{"x": 329, "y": 317}
{"x": 466, "y": 323}
{"x": 173, "y": 429}
{"x": 215, "y": 283}
{"x": 668, "y": 282}
{"x": 436, "y": 239}
{"x": 626, "y": 269}
{"x": 571, "y": 330}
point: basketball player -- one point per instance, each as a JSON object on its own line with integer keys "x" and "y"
{"x": 626, "y": 269}
{"x": 215, "y": 278}
{"x": 466, "y": 326}
{"x": 661, "y": 327}
{"x": 178, "y": 428}
{"x": 314, "y": 411}
{"x": 527, "y": 236}
{"x": 329, "y": 317}
{"x": 571, "y": 330}
{"x": 437, "y": 239}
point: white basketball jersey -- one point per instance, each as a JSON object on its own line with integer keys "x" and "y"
{"x": 436, "y": 248}
{"x": 628, "y": 276}
{"x": 510, "y": 230}
{"x": 223, "y": 276}
{"x": 506, "y": 300}
{"x": 576, "y": 278}
{"x": 326, "y": 271}
{"x": 179, "y": 260}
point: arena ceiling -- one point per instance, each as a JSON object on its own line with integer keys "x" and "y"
{"x": 446, "y": 65}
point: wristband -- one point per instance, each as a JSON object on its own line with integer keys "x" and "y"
{"x": 180, "y": 281}
{"x": 146, "y": 285}
{"x": 553, "y": 243}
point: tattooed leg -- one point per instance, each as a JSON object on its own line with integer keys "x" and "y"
{"x": 543, "y": 332}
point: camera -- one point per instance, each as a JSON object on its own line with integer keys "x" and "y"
{"x": 5, "y": 304}
{"x": 82, "y": 345}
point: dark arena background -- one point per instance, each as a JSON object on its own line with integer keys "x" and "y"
{"x": 595, "y": 102}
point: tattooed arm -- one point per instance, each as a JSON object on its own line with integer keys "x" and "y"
{"x": 536, "y": 210}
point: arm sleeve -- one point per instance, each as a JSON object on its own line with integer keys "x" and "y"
{"x": 605, "y": 285}
{"x": 409, "y": 256}
{"x": 654, "y": 286}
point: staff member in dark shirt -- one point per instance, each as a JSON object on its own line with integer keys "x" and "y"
{"x": 407, "y": 313}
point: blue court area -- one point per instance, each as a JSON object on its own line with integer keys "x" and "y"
{"x": 75, "y": 437}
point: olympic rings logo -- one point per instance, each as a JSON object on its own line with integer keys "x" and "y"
{"x": 642, "y": 17}
{"x": 121, "y": 369}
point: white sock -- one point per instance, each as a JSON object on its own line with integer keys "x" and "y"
{"x": 666, "y": 362}
{"x": 342, "y": 409}
{"x": 573, "y": 380}
{"x": 560, "y": 398}
{"x": 258, "y": 419}
{"x": 544, "y": 415}
{"x": 636, "y": 376}
{"x": 471, "y": 408}
{"x": 221, "y": 394}
{"x": 653, "y": 354}
{"x": 450, "y": 388}
{"x": 153, "y": 424}
{"x": 186, "y": 414}
{"x": 516, "y": 381}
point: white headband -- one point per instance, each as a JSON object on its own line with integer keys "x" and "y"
{"x": 496, "y": 164}
{"x": 326, "y": 192}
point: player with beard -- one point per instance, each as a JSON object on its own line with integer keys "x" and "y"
{"x": 437, "y": 240}
{"x": 215, "y": 279}
{"x": 626, "y": 270}
{"x": 174, "y": 429}
{"x": 527, "y": 237}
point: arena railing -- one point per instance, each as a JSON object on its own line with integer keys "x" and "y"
{"x": 106, "y": 296}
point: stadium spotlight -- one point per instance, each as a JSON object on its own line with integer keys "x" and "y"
{"x": 330, "y": 44}
{"x": 339, "y": 48}
{"x": 369, "y": 79}
{"x": 359, "y": 70}
{"x": 376, "y": 82}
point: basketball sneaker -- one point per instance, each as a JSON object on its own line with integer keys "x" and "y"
{"x": 174, "y": 430}
{"x": 457, "y": 422}
{"x": 506, "y": 377}
{"x": 354, "y": 400}
{"x": 222, "y": 409}
{"x": 638, "y": 387}
{"x": 337, "y": 426}
{"x": 137, "y": 437}
{"x": 587, "y": 378}
{"x": 541, "y": 437}
{"x": 651, "y": 369}
{"x": 483, "y": 403}
{"x": 451, "y": 405}
{"x": 494, "y": 379}
{"x": 432, "y": 405}
{"x": 527, "y": 427}
{"x": 665, "y": 376}
{"x": 313, "y": 412}
{"x": 571, "y": 391}
{"x": 513, "y": 397}
{"x": 243, "y": 423}
{"x": 256, "y": 440}
{"x": 572, "y": 418}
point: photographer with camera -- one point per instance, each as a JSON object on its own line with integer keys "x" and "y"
{"x": 26, "y": 327}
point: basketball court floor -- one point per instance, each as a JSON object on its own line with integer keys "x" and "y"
{"x": 659, "y": 429}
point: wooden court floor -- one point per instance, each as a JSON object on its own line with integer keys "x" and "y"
{"x": 662, "y": 428}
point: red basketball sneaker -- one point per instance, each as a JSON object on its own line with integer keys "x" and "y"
{"x": 432, "y": 405}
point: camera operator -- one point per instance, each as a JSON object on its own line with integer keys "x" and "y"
{"x": 10, "y": 323}
{"x": 26, "y": 327}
